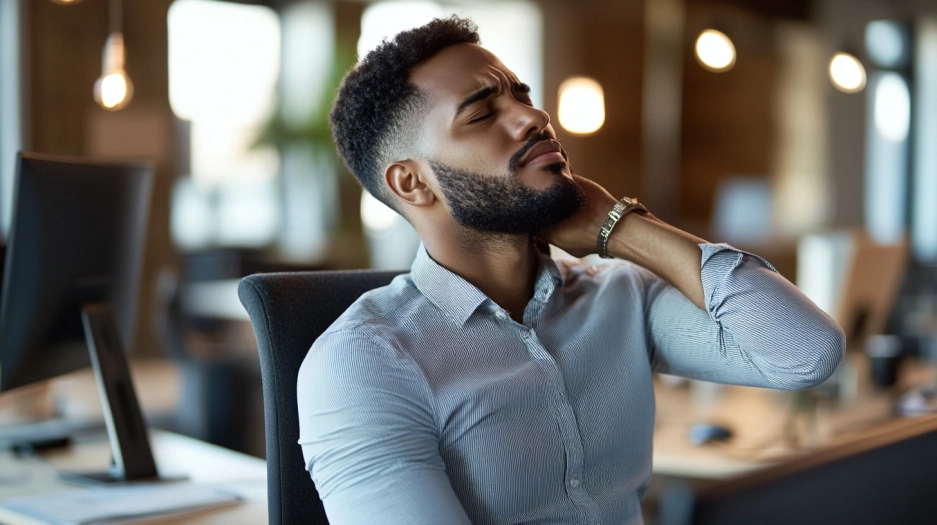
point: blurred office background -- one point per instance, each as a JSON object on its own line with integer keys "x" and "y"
{"x": 774, "y": 125}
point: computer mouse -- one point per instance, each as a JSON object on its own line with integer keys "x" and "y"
{"x": 704, "y": 433}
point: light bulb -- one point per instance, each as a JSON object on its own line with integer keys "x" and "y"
{"x": 113, "y": 90}
{"x": 715, "y": 51}
{"x": 847, "y": 73}
{"x": 66, "y": 2}
{"x": 582, "y": 105}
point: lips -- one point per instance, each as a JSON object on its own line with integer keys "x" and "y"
{"x": 544, "y": 147}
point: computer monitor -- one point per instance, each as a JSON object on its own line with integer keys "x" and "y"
{"x": 885, "y": 475}
{"x": 70, "y": 283}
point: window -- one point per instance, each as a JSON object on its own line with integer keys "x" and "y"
{"x": 10, "y": 107}
{"x": 924, "y": 218}
{"x": 887, "y": 131}
{"x": 224, "y": 65}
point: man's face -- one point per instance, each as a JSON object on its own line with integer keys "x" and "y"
{"x": 494, "y": 156}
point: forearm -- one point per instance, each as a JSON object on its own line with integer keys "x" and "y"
{"x": 749, "y": 325}
{"x": 758, "y": 329}
{"x": 665, "y": 250}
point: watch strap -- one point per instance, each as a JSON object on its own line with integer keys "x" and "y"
{"x": 621, "y": 208}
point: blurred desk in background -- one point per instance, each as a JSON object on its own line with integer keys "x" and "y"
{"x": 75, "y": 396}
{"x": 220, "y": 404}
{"x": 215, "y": 299}
{"x": 768, "y": 425}
{"x": 202, "y": 463}
{"x": 158, "y": 386}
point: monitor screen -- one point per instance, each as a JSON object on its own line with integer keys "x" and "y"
{"x": 77, "y": 237}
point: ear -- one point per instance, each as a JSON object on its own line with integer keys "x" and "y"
{"x": 407, "y": 181}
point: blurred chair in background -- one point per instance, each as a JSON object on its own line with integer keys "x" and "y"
{"x": 208, "y": 335}
{"x": 852, "y": 278}
{"x": 289, "y": 311}
{"x": 218, "y": 373}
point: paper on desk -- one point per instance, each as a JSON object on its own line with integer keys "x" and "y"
{"x": 113, "y": 504}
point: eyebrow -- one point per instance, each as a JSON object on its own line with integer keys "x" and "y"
{"x": 486, "y": 92}
{"x": 481, "y": 94}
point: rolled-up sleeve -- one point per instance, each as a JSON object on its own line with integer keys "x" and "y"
{"x": 369, "y": 437}
{"x": 758, "y": 329}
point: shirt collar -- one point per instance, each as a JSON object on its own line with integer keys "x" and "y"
{"x": 457, "y": 298}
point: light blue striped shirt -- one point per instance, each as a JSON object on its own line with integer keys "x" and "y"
{"x": 425, "y": 403}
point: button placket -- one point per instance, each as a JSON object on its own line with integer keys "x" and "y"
{"x": 563, "y": 410}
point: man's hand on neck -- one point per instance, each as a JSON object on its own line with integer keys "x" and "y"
{"x": 665, "y": 250}
{"x": 577, "y": 234}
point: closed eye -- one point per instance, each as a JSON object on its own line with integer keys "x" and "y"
{"x": 481, "y": 118}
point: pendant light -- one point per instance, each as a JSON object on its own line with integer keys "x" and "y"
{"x": 113, "y": 90}
{"x": 581, "y": 105}
{"x": 847, "y": 72}
{"x": 715, "y": 51}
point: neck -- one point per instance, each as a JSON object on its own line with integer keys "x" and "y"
{"x": 503, "y": 267}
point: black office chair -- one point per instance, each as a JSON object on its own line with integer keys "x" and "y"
{"x": 288, "y": 312}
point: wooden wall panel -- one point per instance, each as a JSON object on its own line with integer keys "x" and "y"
{"x": 605, "y": 41}
{"x": 728, "y": 121}
{"x": 64, "y": 49}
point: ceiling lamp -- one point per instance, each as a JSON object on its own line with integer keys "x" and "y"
{"x": 581, "y": 105}
{"x": 847, "y": 73}
{"x": 113, "y": 89}
{"x": 715, "y": 51}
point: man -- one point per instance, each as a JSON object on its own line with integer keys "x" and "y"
{"x": 493, "y": 384}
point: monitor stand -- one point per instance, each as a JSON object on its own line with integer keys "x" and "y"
{"x": 132, "y": 457}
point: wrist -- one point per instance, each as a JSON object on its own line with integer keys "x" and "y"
{"x": 646, "y": 240}
{"x": 627, "y": 237}
{"x": 614, "y": 221}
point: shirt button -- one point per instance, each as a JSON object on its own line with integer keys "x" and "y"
{"x": 500, "y": 315}
{"x": 574, "y": 483}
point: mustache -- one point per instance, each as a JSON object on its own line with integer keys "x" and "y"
{"x": 516, "y": 158}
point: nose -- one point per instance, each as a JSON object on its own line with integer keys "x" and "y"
{"x": 526, "y": 121}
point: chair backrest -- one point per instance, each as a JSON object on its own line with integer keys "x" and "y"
{"x": 288, "y": 312}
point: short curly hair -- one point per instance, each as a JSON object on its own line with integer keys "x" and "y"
{"x": 373, "y": 118}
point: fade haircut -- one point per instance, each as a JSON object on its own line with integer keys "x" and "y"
{"x": 374, "y": 119}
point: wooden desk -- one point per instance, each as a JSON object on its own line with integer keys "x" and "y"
{"x": 175, "y": 454}
{"x": 759, "y": 419}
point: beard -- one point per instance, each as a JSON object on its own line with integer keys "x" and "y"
{"x": 503, "y": 205}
